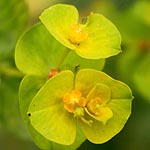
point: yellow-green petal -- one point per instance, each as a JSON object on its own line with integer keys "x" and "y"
{"x": 58, "y": 19}
{"x": 97, "y": 103}
{"x": 98, "y": 38}
{"x": 103, "y": 40}
{"x": 86, "y": 79}
{"x": 100, "y": 90}
{"x": 30, "y": 85}
{"x": 98, "y": 132}
{"x": 105, "y": 114}
{"x": 47, "y": 114}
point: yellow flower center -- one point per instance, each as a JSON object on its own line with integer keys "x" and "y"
{"x": 77, "y": 34}
{"x": 94, "y": 106}
{"x": 73, "y": 100}
{"x": 75, "y": 103}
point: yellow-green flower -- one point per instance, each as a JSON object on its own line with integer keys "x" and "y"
{"x": 91, "y": 100}
{"x": 97, "y": 38}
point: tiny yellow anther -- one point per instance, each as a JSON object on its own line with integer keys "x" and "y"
{"x": 73, "y": 99}
{"x": 77, "y": 34}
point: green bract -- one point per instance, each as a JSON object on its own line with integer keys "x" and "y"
{"x": 97, "y": 38}
{"x": 62, "y": 102}
{"x": 107, "y": 107}
{"x": 30, "y": 85}
{"x": 37, "y": 52}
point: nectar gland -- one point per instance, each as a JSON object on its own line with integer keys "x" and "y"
{"x": 75, "y": 103}
{"x": 73, "y": 100}
{"x": 77, "y": 34}
{"x": 53, "y": 72}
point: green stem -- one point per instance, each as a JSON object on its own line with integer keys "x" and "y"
{"x": 63, "y": 58}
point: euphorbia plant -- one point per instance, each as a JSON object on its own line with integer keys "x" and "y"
{"x": 94, "y": 38}
{"x": 98, "y": 103}
{"x": 64, "y": 97}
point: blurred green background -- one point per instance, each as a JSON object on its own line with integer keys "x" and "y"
{"x": 132, "y": 18}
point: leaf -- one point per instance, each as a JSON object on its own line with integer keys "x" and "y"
{"x": 58, "y": 19}
{"x": 37, "y": 52}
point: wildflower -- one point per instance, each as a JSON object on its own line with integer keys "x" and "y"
{"x": 91, "y": 100}
{"x": 97, "y": 38}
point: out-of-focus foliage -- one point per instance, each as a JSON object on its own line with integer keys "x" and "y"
{"x": 13, "y": 19}
{"x": 136, "y": 57}
{"x": 11, "y": 26}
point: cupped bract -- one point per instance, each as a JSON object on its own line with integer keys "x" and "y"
{"x": 99, "y": 104}
{"x": 97, "y": 38}
{"x": 37, "y": 52}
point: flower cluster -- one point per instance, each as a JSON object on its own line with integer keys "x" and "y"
{"x": 64, "y": 97}
{"x": 92, "y": 99}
